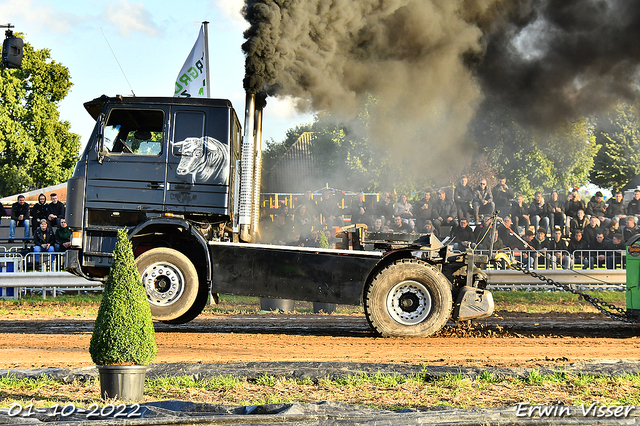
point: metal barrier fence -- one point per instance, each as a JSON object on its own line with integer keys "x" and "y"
{"x": 587, "y": 269}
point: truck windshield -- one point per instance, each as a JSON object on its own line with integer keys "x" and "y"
{"x": 134, "y": 132}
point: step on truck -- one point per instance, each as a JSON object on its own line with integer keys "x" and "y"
{"x": 182, "y": 178}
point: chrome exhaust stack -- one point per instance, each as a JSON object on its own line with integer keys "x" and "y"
{"x": 257, "y": 180}
{"x": 247, "y": 170}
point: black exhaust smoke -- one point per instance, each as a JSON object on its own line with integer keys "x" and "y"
{"x": 429, "y": 63}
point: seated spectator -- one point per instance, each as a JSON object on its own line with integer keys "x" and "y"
{"x": 423, "y": 210}
{"x": 464, "y": 236}
{"x": 38, "y": 212}
{"x": 283, "y": 231}
{"x": 43, "y": 240}
{"x": 19, "y": 217}
{"x": 63, "y": 236}
{"x": 597, "y": 207}
{"x": 507, "y": 233}
{"x": 428, "y": 228}
{"x": 631, "y": 229}
{"x": 597, "y": 251}
{"x": 633, "y": 207}
{"x": 519, "y": 214}
{"x": 483, "y": 201}
{"x": 463, "y": 196}
{"x": 312, "y": 207}
{"x": 612, "y": 228}
{"x": 483, "y": 233}
{"x": 55, "y": 210}
{"x": 444, "y": 212}
{"x": 591, "y": 230}
{"x": 405, "y": 210}
{"x": 303, "y": 222}
{"x": 559, "y": 250}
{"x": 399, "y": 225}
{"x": 502, "y": 196}
{"x": 616, "y": 208}
{"x": 526, "y": 256}
{"x": 539, "y": 244}
{"x": 329, "y": 209}
{"x": 384, "y": 208}
{"x": 578, "y": 247}
{"x": 360, "y": 216}
{"x": 265, "y": 227}
{"x": 556, "y": 211}
{"x": 378, "y": 226}
{"x": 580, "y": 222}
{"x": 616, "y": 258}
{"x": 574, "y": 203}
{"x": 539, "y": 212}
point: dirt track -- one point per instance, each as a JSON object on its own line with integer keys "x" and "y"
{"x": 507, "y": 341}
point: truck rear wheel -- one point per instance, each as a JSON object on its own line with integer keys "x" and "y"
{"x": 408, "y": 298}
{"x": 171, "y": 283}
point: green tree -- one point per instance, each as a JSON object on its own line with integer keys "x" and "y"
{"x": 618, "y": 159}
{"x": 36, "y": 147}
{"x": 531, "y": 158}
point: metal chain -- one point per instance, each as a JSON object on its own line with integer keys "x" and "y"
{"x": 598, "y": 303}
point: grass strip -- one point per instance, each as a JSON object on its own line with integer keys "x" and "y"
{"x": 383, "y": 391}
{"x": 506, "y": 301}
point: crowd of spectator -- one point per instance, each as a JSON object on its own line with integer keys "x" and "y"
{"x": 569, "y": 229}
{"x": 43, "y": 223}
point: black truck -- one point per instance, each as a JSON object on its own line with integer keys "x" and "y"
{"x": 182, "y": 178}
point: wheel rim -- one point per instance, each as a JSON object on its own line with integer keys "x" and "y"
{"x": 409, "y": 302}
{"x": 163, "y": 282}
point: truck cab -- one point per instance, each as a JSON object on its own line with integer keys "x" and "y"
{"x": 161, "y": 167}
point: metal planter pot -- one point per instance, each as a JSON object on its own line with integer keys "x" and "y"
{"x": 123, "y": 382}
{"x": 280, "y": 305}
{"x": 326, "y": 308}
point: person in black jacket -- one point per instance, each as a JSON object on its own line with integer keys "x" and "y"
{"x": 520, "y": 214}
{"x": 43, "y": 239}
{"x": 463, "y": 197}
{"x": 539, "y": 212}
{"x": 444, "y": 212}
{"x": 578, "y": 247}
{"x": 464, "y": 235}
{"x": 556, "y": 211}
{"x": 559, "y": 250}
{"x": 19, "y": 217}
{"x": 616, "y": 257}
{"x": 574, "y": 203}
{"x": 502, "y": 196}
{"x": 38, "y": 212}
{"x": 616, "y": 207}
{"x": 483, "y": 200}
{"x": 56, "y": 210}
{"x": 631, "y": 229}
{"x": 633, "y": 208}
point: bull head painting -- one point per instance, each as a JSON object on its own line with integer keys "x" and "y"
{"x": 205, "y": 159}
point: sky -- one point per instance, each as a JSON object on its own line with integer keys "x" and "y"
{"x": 151, "y": 40}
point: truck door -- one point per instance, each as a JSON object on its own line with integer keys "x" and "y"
{"x": 128, "y": 172}
{"x": 198, "y": 160}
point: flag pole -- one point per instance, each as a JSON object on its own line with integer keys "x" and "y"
{"x": 207, "y": 82}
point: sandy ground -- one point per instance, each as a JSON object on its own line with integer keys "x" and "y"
{"x": 505, "y": 340}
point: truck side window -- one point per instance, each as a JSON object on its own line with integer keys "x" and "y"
{"x": 134, "y": 132}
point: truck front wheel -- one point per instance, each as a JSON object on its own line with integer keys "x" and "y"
{"x": 408, "y": 298}
{"x": 171, "y": 282}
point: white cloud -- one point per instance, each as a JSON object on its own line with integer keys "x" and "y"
{"x": 129, "y": 17}
{"x": 29, "y": 13}
{"x": 231, "y": 9}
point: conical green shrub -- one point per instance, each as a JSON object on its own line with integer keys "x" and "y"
{"x": 123, "y": 332}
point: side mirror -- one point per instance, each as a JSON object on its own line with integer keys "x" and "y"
{"x": 101, "y": 151}
{"x": 12, "y": 49}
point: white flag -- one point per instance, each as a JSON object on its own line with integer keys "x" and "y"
{"x": 191, "y": 81}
